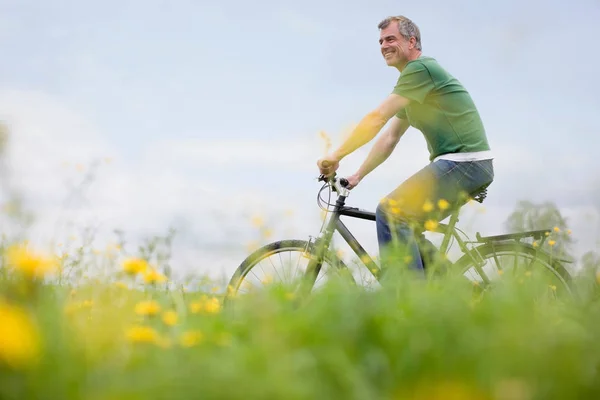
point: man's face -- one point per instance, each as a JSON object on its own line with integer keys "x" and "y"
{"x": 394, "y": 47}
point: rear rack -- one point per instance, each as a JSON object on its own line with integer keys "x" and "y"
{"x": 539, "y": 234}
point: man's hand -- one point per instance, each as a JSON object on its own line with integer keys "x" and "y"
{"x": 328, "y": 165}
{"x": 353, "y": 180}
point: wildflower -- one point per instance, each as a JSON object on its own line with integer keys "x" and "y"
{"x": 142, "y": 334}
{"x": 569, "y": 231}
{"x": 210, "y": 306}
{"x": 19, "y": 337}
{"x": 431, "y": 225}
{"x": 427, "y": 206}
{"x": 267, "y": 233}
{"x": 257, "y": 221}
{"x": 553, "y": 287}
{"x": 134, "y": 266}
{"x": 169, "y": 318}
{"x": 535, "y": 244}
{"x": 154, "y": 276}
{"x": 190, "y": 338}
{"x": 551, "y": 242}
{"x": 443, "y": 204}
{"x": 365, "y": 258}
{"x": 556, "y": 229}
{"x": 147, "y": 308}
{"x": 32, "y": 265}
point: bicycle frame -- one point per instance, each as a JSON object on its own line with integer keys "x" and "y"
{"x": 336, "y": 224}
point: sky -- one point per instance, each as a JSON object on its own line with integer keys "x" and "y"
{"x": 204, "y": 114}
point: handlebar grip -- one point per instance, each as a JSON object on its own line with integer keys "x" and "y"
{"x": 344, "y": 182}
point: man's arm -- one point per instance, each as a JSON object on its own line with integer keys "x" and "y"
{"x": 371, "y": 124}
{"x": 383, "y": 147}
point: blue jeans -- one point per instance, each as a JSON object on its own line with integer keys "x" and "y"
{"x": 402, "y": 216}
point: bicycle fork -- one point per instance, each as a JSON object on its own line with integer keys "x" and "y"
{"x": 317, "y": 249}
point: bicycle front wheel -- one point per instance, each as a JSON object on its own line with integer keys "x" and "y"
{"x": 517, "y": 260}
{"x": 283, "y": 261}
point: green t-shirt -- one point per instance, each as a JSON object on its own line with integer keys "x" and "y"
{"x": 441, "y": 108}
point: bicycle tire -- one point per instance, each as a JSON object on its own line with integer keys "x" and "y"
{"x": 486, "y": 250}
{"x": 273, "y": 248}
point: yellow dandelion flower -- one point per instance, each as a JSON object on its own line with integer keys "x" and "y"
{"x": 30, "y": 264}
{"x": 212, "y": 306}
{"x": 257, "y": 221}
{"x": 142, "y": 334}
{"x": 206, "y": 305}
{"x": 153, "y": 276}
{"x": 365, "y": 258}
{"x": 547, "y": 233}
{"x": 431, "y": 225}
{"x": 428, "y": 206}
{"x": 443, "y": 204}
{"x": 267, "y": 233}
{"x": 551, "y": 242}
{"x": 556, "y": 229}
{"x": 147, "y": 308}
{"x": 535, "y": 244}
{"x": 569, "y": 231}
{"x": 134, "y": 266}
{"x": 20, "y": 342}
{"x": 190, "y": 338}
{"x": 169, "y": 318}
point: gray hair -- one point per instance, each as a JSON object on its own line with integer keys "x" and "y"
{"x": 406, "y": 27}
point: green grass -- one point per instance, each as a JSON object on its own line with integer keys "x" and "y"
{"x": 416, "y": 340}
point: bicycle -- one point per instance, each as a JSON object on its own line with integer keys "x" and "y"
{"x": 474, "y": 253}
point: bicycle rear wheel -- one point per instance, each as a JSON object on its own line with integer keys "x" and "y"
{"x": 254, "y": 271}
{"x": 516, "y": 260}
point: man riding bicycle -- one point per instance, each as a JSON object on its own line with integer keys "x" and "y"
{"x": 431, "y": 100}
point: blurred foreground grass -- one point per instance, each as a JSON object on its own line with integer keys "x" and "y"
{"x": 142, "y": 337}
